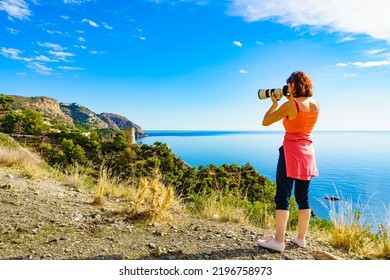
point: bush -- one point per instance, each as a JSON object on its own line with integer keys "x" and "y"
{"x": 152, "y": 201}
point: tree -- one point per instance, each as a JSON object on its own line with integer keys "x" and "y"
{"x": 67, "y": 146}
{"x": 13, "y": 123}
{"x": 78, "y": 155}
{"x": 6, "y": 102}
{"x": 120, "y": 141}
{"x": 33, "y": 122}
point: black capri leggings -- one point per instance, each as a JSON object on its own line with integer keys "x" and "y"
{"x": 284, "y": 187}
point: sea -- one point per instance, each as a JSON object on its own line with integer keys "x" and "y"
{"x": 354, "y": 166}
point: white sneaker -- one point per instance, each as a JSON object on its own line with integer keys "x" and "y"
{"x": 272, "y": 244}
{"x": 299, "y": 242}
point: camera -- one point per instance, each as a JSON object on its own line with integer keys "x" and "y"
{"x": 279, "y": 92}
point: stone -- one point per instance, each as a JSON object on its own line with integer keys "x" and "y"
{"x": 158, "y": 251}
{"x": 322, "y": 255}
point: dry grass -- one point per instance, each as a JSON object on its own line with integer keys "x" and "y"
{"x": 15, "y": 156}
{"x": 352, "y": 234}
{"x": 153, "y": 200}
{"x": 222, "y": 206}
{"x": 110, "y": 185}
{"x": 74, "y": 176}
{"x": 18, "y": 157}
{"x": 218, "y": 207}
{"x": 148, "y": 199}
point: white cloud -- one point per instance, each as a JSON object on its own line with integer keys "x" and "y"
{"x": 346, "y": 39}
{"x": 259, "y": 43}
{"x": 75, "y": 1}
{"x": 81, "y": 39}
{"x": 61, "y": 55}
{"x": 44, "y": 58}
{"x": 348, "y": 16}
{"x": 13, "y": 31}
{"x": 70, "y": 68}
{"x": 175, "y": 2}
{"x": 106, "y": 26}
{"x": 90, "y": 22}
{"x": 350, "y": 75}
{"x": 15, "y": 9}
{"x": 366, "y": 64}
{"x": 11, "y": 53}
{"x": 54, "y": 32}
{"x": 40, "y": 68}
{"x": 53, "y": 46}
{"x": 242, "y": 71}
{"x": 377, "y": 51}
{"x": 372, "y": 63}
{"x": 97, "y": 52}
{"x": 237, "y": 43}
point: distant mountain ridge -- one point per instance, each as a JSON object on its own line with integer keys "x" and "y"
{"x": 71, "y": 113}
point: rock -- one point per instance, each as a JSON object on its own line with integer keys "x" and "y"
{"x": 158, "y": 251}
{"x": 322, "y": 255}
{"x": 111, "y": 238}
{"x": 158, "y": 233}
{"x": 332, "y": 198}
{"x": 6, "y": 187}
{"x": 109, "y": 257}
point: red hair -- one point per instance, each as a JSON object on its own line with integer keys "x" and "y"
{"x": 302, "y": 84}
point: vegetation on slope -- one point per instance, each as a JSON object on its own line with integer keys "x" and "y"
{"x": 109, "y": 163}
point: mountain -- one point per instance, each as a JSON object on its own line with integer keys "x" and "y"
{"x": 118, "y": 121}
{"x": 82, "y": 114}
{"x": 45, "y": 105}
{"x": 72, "y": 113}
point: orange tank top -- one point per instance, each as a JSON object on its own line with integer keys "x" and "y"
{"x": 303, "y": 123}
{"x": 298, "y": 145}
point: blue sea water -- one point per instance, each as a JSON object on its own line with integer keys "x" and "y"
{"x": 353, "y": 166}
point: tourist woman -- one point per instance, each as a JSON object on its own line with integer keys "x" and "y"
{"x": 296, "y": 157}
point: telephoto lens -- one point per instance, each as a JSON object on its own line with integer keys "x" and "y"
{"x": 279, "y": 92}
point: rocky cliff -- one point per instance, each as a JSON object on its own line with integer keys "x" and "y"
{"x": 119, "y": 121}
{"x": 83, "y": 114}
{"x": 72, "y": 112}
{"x": 44, "y": 105}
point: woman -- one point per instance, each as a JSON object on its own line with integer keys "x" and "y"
{"x": 296, "y": 157}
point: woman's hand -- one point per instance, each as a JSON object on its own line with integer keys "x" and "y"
{"x": 274, "y": 99}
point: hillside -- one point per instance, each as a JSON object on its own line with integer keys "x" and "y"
{"x": 119, "y": 122}
{"x": 44, "y": 105}
{"x": 43, "y": 218}
{"x": 72, "y": 113}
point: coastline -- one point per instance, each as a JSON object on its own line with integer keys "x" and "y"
{"x": 351, "y": 170}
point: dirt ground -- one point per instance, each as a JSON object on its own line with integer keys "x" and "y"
{"x": 45, "y": 219}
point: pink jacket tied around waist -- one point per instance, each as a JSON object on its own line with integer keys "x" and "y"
{"x": 299, "y": 155}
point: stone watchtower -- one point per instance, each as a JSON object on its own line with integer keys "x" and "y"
{"x": 130, "y": 135}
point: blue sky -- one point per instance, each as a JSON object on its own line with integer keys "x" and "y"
{"x": 197, "y": 64}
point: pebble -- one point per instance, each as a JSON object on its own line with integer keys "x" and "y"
{"x": 158, "y": 251}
